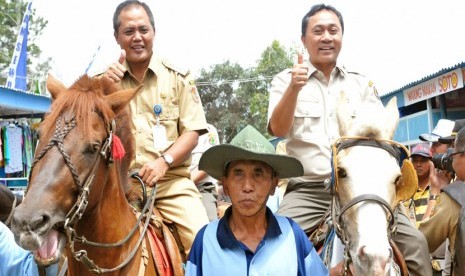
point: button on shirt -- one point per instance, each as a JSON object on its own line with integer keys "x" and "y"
{"x": 315, "y": 123}
{"x": 284, "y": 250}
{"x": 182, "y": 111}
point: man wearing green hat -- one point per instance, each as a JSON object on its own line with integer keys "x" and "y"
{"x": 250, "y": 239}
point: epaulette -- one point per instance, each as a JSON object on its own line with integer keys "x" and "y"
{"x": 184, "y": 72}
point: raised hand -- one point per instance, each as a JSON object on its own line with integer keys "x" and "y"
{"x": 116, "y": 71}
{"x": 299, "y": 73}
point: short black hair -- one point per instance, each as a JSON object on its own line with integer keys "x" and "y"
{"x": 125, "y": 4}
{"x": 316, "y": 8}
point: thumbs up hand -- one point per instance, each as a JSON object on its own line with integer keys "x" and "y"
{"x": 116, "y": 71}
{"x": 299, "y": 74}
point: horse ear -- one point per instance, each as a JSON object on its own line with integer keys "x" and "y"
{"x": 55, "y": 87}
{"x": 392, "y": 117}
{"x": 409, "y": 182}
{"x": 119, "y": 99}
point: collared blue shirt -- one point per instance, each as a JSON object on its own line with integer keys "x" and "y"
{"x": 16, "y": 261}
{"x": 284, "y": 250}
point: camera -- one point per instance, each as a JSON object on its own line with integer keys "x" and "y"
{"x": 442, "y": 161}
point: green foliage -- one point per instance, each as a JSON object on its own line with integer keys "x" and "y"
{"x": 234, "y": 97}
{"x": 11, "y": 16}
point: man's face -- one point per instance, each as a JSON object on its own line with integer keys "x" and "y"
{"x": 421, "y": 165}
{"x": 437, "y": 147}
{"x": 135, "y": 34}
{"x": 249, "y": 183}
{"x": 323, "y": 38}
{"x": 458, "y": 163}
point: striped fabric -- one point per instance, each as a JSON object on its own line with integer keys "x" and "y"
{"x": 418, "y": 204}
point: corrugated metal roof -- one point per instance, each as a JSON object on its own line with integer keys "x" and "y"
{"x": 428, "y": 77}
{"x": 22, "y": 91}
{"x": 16, "y": 102}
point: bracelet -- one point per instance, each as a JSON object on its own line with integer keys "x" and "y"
{"x": 433, "y": 197}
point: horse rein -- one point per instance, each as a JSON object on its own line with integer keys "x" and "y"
{"x": 337, "y": 212}
{"x": 10, "y": 216}
{"x": 77, "y": 210}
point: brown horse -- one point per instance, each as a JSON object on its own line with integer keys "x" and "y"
{"x": 75, "y": 201}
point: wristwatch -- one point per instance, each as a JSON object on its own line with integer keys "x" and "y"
{"x": 168, "y": 159}
{"x": 433, "y": 197}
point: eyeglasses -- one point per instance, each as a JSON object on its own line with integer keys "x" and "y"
{"x": 452, "y": 155}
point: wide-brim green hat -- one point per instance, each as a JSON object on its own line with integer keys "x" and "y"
{"x": 249, "y": 144}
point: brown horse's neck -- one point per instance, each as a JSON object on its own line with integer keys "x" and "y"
{"x": 109, "y": 220}
{"x": 108, "y": 208}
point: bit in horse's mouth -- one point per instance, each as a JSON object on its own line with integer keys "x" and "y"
{"x": 52, "y": 246}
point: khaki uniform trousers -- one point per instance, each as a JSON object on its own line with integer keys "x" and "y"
{"x": 178, "y": 200}
{"x": 307, "y": 202}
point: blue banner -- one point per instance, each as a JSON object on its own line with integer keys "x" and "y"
{"x": 17, "y": 72}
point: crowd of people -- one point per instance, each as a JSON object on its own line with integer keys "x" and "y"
{"x": 217, "y": 194}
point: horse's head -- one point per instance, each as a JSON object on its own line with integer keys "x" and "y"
{"x": 73, "y": 150}
{"x": 368, "y": 174}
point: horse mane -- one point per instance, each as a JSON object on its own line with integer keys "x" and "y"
{"x": 370, "y": 131}
{"x": 86, "y": 95}
{"x": 370, "y": 121}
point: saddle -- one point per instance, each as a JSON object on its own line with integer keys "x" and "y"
{"x": 165, "y": 245}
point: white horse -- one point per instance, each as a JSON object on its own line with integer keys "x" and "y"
{"x": 368, "y": 185}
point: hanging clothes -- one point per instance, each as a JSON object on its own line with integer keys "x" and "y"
{"x": 14, "y": 141}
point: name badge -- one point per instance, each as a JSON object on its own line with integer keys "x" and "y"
{"x": 159, "y": 137}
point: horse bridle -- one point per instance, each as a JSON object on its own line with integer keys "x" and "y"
{"x": 392, "y": 148}
{"x": 77, "y": 210}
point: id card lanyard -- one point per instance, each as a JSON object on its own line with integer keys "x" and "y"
{"x": 159, "y": 131}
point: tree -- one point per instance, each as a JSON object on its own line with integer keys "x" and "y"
{"x": 11, "y": 16}
{"x": 273, "y": 60}
{"x": 218, "y": 92}
{"x": 234, "y": 97}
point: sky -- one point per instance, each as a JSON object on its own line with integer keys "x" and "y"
{"x": 393, "y": 42}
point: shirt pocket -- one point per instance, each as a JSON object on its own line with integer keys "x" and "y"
{"x": 169, "y": 119}
{"x": 308, "y": 119}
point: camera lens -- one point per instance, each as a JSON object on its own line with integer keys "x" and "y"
{"x": 442, "y": 161}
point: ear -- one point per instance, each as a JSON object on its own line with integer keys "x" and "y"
{"x": 224, "y": 183}
{"x": 392, "y": 117}
{"x": 409, "y": 182}
{"x": 118, "y": 100}
{"x": 55, "y": 87}
{"x": 274, "y": 184}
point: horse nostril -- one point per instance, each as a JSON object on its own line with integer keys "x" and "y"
{"x": 39, "y": 221}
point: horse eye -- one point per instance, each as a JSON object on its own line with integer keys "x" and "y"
{"x": 92, "y": 148}
{"x": 341, "y": 173}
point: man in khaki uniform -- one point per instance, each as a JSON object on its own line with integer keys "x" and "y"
{"x": 302, "y": 108}
{"x": 167, "y": 115}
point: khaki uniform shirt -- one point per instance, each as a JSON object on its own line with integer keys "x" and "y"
{"x": 315, "y": 124}
{"x": 442, "y": 224}
{"x": 206, "y": 141}
{"x": 182, "y": 111}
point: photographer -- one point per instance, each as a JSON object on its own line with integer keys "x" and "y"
{"x": 447, "y": 220}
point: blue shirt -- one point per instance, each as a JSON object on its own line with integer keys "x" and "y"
{"x": 284, "y": 250}
{"x": 16, "y": 261}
